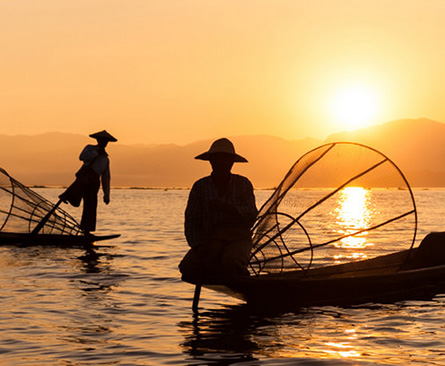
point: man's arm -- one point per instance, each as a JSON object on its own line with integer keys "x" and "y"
{"x": 106, "y": 179}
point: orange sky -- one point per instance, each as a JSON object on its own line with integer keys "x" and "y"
{"x": 178, "y": 71}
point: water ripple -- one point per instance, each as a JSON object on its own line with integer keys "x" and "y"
{"x": 124, "y": 304}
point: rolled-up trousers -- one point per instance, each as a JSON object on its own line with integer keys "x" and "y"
{"x": 85, "y": 187}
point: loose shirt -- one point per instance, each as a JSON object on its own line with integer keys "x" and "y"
{"x": 99, "y": 163}
{"x": 201, "y": 221}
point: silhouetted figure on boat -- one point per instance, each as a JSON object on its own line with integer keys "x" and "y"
{"x": 219, "y": 215}
{"x": 94, "y": 171}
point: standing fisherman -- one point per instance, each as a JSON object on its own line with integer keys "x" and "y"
{"x": 95, "y": 169}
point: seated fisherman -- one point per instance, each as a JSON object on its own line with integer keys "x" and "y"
{"x": 219, "y": 215}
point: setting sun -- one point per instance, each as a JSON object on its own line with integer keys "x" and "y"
{"x": 354, "y": 106}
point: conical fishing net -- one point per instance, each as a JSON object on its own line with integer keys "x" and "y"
{"x": 340, "y": 202}
{"x": 22, "y": 209}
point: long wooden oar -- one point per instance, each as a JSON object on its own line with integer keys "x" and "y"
{"x": 45, "y": 219}
{"x": 196, "y": 298}
{"x": 198, "y": 288}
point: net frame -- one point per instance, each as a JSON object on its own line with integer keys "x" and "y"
{"x": 265, "y": 235}
{"x": 27, "y": 208}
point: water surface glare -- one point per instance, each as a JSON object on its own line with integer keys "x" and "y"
{"x": 124, "y": 303}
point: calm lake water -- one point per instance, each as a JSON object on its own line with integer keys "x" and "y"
{"x": 126, "y": 305}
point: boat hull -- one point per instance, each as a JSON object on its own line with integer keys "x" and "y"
{"x": 23, "y": 239}
{"x": 378, "y": 280}
{"x": 269, "y": 293}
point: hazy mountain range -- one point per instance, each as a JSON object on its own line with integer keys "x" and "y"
{"x": 417, "y": 146}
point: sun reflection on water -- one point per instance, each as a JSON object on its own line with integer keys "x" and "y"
{"x": 343, "y": 349}
{"x": 353, "y": 214}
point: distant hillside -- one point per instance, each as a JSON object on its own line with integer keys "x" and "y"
{"x": 52, "y": 159}
{"x": 417, "y": 146}
{"x": 47, "y": 159}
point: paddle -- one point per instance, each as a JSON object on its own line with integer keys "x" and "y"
{"x": 45, "y": 219}
{"x": 196, "y": 298}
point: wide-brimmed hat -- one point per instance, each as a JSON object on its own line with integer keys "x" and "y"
{"x": 103, "y": 135}
{"x": 222, "y": 146}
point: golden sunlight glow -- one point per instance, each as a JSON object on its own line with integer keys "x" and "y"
{"x": 343, "y": 349}
{"x": 353, "y": 214}
{"x": 355, "y": 106}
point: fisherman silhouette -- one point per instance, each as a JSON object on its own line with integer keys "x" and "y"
{"x": 94, "y": 171}
{"x": 220, "y": 212}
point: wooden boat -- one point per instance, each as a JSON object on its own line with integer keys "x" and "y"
{"x": 27, "y": 219}
{"x": 58, "y": 240}
{"x": 415, "y": 274}
{"x": 358, "y": 195}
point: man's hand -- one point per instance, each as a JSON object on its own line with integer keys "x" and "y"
{"x": 106, "y": 200}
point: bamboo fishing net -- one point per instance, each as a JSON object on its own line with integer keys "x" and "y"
{"x": 339, "y": 202}
{"x": 22, "y": 209}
